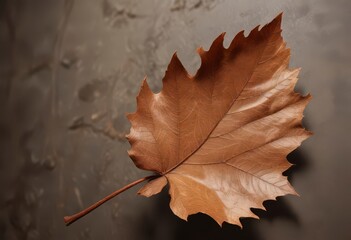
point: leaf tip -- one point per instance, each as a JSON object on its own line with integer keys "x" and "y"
{"x": 278, "y": 19}
{"x": 175, "y": 66}
{"x": 218, "y": 42}
{"x": 239, "y": 37}
{"x": 275, "y": 25}
{"x": 132, "y": 155}
{"x": 127, "y": 136}
{"x": 239, "y": 224}
{"x": 254, "y": 31}
{"x": 308, "y": 97}
{"x": 144, "y": 83}
{"x": 144, "y": 92}
{"x": 291, "y": 190}
{"x": 200, "y": 50}
{"x": 309, "y": 133}
{"x": 175, "y": 62}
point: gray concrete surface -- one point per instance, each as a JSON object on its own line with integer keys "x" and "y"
{"x": 69, "y": 70}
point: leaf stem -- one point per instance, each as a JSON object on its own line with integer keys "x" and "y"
{"x": 71, "y": 219}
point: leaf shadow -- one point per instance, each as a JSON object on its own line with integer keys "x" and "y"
{"x": 163, "y": 224}
{"x": 160, "y": 223}
{"x": 300, "y": 163}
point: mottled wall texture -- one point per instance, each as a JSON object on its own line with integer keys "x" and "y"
{"x": 70, "y": 70}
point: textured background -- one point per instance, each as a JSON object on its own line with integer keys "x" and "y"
{"x": 69, "y": 70}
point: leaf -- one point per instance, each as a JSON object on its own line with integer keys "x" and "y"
{"x": 220, "y": 138}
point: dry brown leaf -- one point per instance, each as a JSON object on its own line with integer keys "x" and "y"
{"x": 220, "y": 138}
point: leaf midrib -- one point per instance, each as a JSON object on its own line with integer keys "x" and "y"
{"x": 230, "y": 106}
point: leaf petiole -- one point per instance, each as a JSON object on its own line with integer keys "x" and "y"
{"x": 71, "y": 219}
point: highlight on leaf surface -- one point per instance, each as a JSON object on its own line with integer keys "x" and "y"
{"x": 220, "y": 138}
